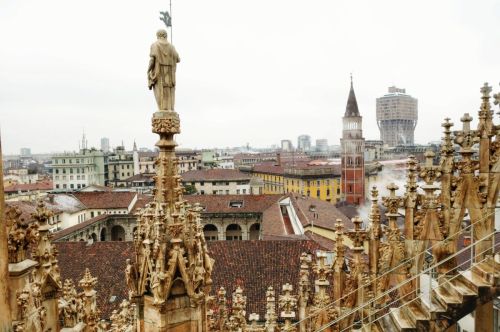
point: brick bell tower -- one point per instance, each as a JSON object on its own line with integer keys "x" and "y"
{"x": 353, "y": 147}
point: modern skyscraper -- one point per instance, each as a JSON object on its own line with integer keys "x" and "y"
{"x": 397, "y": 115}
{"x": 353, "y": 146}
{"x": 105, "y": 144}
{"x": 322, "y": 145}
{"x": 286, "y": 145}
{"x": 25, "y": 152}
{"x": 304, "y": 143}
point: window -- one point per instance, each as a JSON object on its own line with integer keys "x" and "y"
{"x": 236, "y": 204}
{"x": 227, "y": 192}
{"x": 202, "y": 192}
{"x": 72, "y": 186}
{"x": 237, "y": 191}
{"x": 64, "y": 186}
{"x": 227, "y": 183}
{"x": 214, "y": 183}
{"x": 214, "y": 192}
{"x": 318, "y": 193}
{"x": 318, "y": 183}
{"x": 328, "y": 192}
{"x": 57, "y": 186}
{"x": 244, "y": 191}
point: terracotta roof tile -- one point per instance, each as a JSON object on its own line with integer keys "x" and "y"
{"x": 221, "y": 203}
{"x": 69, "y": 230}
{"x": 106, "y": 261}
{"x": 253, "y": 265}
{"x": 105, "y": 200}
{"x": 43, "y": 185}
{"x": 320, "y": 213}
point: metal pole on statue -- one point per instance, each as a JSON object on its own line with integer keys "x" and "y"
{"x": 166, "y": 17}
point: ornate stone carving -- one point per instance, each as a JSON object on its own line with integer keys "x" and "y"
{"x": 288, "y": 304}
{"x": 169, "y": 124}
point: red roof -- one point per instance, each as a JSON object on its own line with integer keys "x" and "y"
{"x": 105, "y": 200}
{"x": 313, "y": 211}
{"x": 253, "y": 265}
{"x": 43, "y": 185}
{"x": 222, "y": 203}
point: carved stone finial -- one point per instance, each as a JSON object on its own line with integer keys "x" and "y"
{"x": 486, "y": 90}
{"x": 357, "y": 235}
{"x": 288, "y": 304}
{"x": 466, "y": 119}
{"x": 88, "y": 282}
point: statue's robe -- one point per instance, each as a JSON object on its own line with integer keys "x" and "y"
{"x": 161, "y": 77}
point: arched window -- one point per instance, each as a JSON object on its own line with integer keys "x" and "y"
{"x": 103, "y": 234}
{"x": 117, "y": 233}
{"x": 211, "y": 232}
{"x": 255, "y": 232}
{"x": 233, "y": 232}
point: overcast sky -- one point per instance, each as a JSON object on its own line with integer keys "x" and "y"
{"x": 251, "y": 71}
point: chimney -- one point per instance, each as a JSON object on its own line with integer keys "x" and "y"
{"x": 278, "y": 158}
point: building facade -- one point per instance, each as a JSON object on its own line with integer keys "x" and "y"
{"x": 317, "y": 181}
{"x": 120, "y": 167}
{"x": 322, "y": 145}
{"x": 76, "y": 170}
{"x": 286, "y": 145}
{"x": 397, "y": 114}
{"x": 304, "y": 143}
{"x": 353, "y": 147}
{"x": 218, "y": 181}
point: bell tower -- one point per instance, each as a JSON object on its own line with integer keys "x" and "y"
{"x": 353, "y": 147}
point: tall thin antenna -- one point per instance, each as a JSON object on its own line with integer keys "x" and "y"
{"x": 166, "y": 17}
{"x": 171, "y": 28}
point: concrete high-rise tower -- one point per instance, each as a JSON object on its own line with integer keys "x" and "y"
{"x": 397, "y": 115}
{"x": 304, "y": 143}
{"x": 105, "y": 144}
{"x": 353, "y": 145}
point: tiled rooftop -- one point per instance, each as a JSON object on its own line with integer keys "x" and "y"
{"x": 253, "y": 265}
{"x": 105, "y": 200}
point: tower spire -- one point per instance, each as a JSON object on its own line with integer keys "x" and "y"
{"x": 352, "y": 104}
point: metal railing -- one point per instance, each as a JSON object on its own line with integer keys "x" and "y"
{"x": 429, "y": 271}
{"x": 404, "y": 264}
{"x": 447, "y": 281}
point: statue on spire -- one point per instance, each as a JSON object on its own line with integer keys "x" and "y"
{"x": 161, "y": 71}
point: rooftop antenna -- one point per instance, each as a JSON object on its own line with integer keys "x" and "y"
{"x": 166, "y": 17}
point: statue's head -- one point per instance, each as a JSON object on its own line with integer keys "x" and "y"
{"x": 161, "y": 34}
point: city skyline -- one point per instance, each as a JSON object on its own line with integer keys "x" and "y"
{"x": 258, "y": 74}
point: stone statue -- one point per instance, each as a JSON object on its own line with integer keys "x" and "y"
{"x": 161, "y": 71}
